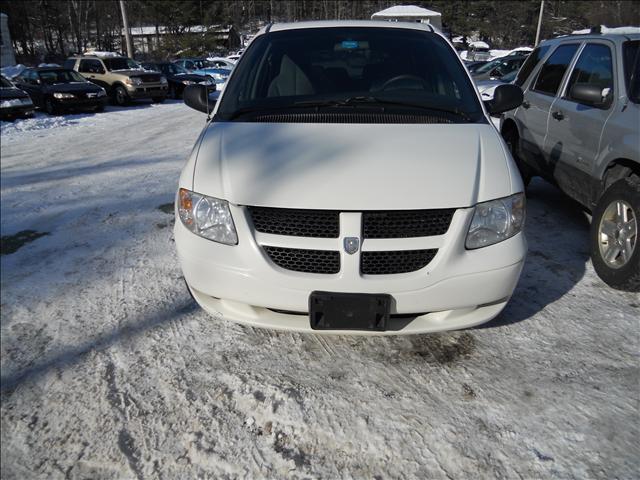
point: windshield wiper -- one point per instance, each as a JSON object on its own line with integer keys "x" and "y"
{"x": 349, "y": 102}
{"x": 371, "y": 100}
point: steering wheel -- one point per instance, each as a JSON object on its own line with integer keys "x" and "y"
{"x": 401, "y": 78}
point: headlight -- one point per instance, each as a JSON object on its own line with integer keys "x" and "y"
{"x": 187, "y": 82}
{"x": 134, "y": 81}
{"x": 496, "y": 220}
{"x": 15, "y": 102}
{"x": 207, "y": 217}
{"x": 163, "y": 79}
{"x": 63, "y": 95}
{"x": 102, "y": 93}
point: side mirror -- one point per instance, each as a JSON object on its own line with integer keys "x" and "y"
{"x": 197, "y": 97}
{"x": 591, "y": 95}
{"x": 505, "y": 97}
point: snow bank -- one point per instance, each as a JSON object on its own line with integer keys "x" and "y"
{"x": 12, "y": 71}
{"x": 98, "y": 53}
{"x": 479, "y": 44}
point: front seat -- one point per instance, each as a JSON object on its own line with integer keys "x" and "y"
{"x": 290, "y": 81}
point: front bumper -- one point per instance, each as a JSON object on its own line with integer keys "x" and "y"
{"x": 79, "y": 103}
{"x": 20, "y": 111}
{"x": 148, "y": 91}
{"x": 459, "y": 288}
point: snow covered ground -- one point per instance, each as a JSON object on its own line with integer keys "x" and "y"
{"x": 109, "y": 370}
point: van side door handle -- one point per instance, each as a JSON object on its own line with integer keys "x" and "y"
{"x": 558, "y": 115}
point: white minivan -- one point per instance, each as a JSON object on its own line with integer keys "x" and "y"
{"x": 350, "y": 181}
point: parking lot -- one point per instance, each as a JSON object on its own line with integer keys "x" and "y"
{"x": 110, "y": 370}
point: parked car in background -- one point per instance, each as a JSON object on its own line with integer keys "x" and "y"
{"x": 234, "y": 58}
{"x": 219, "y": 62}
{"x": 57, "y": 89}
{"x": 487, "y": 87}
{"x": 332, "y": 191}
{"x": 122, "y": 78}
{"x": 14, "y": 103}
{"x": 579, "y": 128}
{"x": 473, "y": 66}
{"x": 178, "y": 77}
{"x": 200, "y": 66}
{"x": 498, "y": 68}
{"x": 478, "y": 51}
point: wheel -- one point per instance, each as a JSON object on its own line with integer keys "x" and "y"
{"x": 50, "y": 107}
{"x": 121, "y": 96}
{"x": 158, "y": 99}
{"x": 614, "y": 235}
{"x": 513, "y": 142}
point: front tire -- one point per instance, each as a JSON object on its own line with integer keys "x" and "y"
{"x": 512, "y": 140}
{"x": 50, "y": 107}
{"x": 615, "y": 249}
{"x": 121, "y": 96}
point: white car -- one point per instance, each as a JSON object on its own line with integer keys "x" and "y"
{"x": 220, "y": 62}
{"x": 350, "y": 181}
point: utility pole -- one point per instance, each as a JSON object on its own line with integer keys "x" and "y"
{"x": 127, "y": 33}
{"x": 539, "y": 23}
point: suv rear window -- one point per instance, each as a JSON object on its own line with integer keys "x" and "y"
{"x": 530, "y": 63}
{"x": 403, "y": 70}
{"x": 631, "y": 59}
{"x": 554, "y": 68}
{"x": 594, "y": 67}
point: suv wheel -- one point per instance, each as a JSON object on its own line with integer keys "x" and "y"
{"x": 512, "y": 140}
{"x": 615, "y": 251}
{"x": 121, "y": 96}
{"x": 49, "y": 107}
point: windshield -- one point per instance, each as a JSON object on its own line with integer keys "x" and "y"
{"x": 120, "y": 63}
{"x": 380, "y": 65}
{"x": 5, "y": 83}
{"x": 172, "y": 68}
{"x": 509, "y": 77}
{"x": 502, "y": 65}
{"x": 60, "y": 76}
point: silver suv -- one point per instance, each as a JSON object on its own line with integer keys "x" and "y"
{"x": 579, "y": 128}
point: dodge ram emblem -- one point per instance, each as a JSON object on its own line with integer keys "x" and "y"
{"x": 351, "y": 244}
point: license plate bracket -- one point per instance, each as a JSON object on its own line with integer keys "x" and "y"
{"x": 349, "y": 311}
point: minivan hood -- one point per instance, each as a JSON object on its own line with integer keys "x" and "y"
{"x": 353, "y": 166}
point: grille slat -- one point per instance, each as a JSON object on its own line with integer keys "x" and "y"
{"x": 295, "y": 222}
{"x": 307, "y": 261}
{"x": 406, "y": 223}
{"x": 392, "y": 262}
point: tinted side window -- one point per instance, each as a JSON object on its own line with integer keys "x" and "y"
{"x": 530, "y": 64}
{"x": 594, "y": 67}
{"x": 631, "y": 58}
{"x": 90, "y": 66}
{"x": 554, "y": 68}
{"x": 69, "y": 63}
